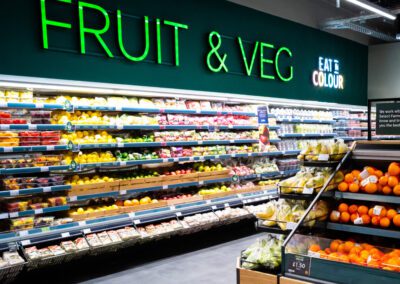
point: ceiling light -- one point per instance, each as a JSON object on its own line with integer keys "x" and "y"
{"x": 373, "y": 8}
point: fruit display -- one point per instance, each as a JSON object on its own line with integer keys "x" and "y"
{"x": 11, "y": 96}
{"x": 214, "y": 190}
{"x": 89, "y": 157}
{"x": 158, "y": 229}
{"x": 288, "y": 164}
{"x": 281, "y": 212}
{"x": 323, "y": 151}
{"x": 295, "y": 113}
{"x": 287, "y": 145}
{"x": 241, "y": 171}
{"x": 373, "y": 181}
{"x": 208, "y": 167}
{"x": 15, "y": 183}
{"x": 192, "y": 135}
{"x": 382, "y": 216}
{"x": 80, "y": 180}
{"x": 10, "y": 258}
{"x": 33, "y": 160}
{"x": 33, "y": 203}
{"x": 309, "y": 180}
{"x": 200, "y": 219}
{"x": 231, "y": 213}
{"x": 363, "y": 254}
{"x": 132, "y": 156}
{"x": 305, "y": 128}
{"x": 263, "y": 254}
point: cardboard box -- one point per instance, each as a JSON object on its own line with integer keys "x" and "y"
{"x": 245, "y": 276}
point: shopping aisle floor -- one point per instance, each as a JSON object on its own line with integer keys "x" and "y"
{"x": 202, "y": 258}
{"x": 212, "y": 265}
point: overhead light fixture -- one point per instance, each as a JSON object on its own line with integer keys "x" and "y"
{"x": 373, "y": 8}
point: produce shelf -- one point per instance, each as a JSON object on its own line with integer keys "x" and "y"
{"x": 330, "y": 164}
{"x": 31, "y": 105}
{"x": 388, "y": 233}
{"x": 352, "y": 128}
{"x": 13, "y": 193}
{"x": 300, "y": 120}
{"x": 33, "y": 127}
{"x": 325, "y": 271}
{"x": 350, "y": 118}
{"x": 162, "y": 127}
{"x": 38, "y": 211}
{"x": 298, "y": 135}
{"x": 12, "y": 171}
{"x": 18, "y": 149}
{"x": 352, "y": 138}
{"x": 368, "y": 197}
{"x": 106, "y": 223}
{"x": 298, "y": 196}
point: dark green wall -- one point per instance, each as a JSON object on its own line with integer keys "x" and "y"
{"x": 22, "y": 54}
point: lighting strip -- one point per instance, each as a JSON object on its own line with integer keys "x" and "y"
{"x": 82, "y": 87}
{"x": 373, "y": 8}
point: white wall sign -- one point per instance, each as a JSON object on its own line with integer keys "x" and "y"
{"x": 328, "y": 74}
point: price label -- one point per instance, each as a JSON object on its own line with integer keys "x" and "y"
{"x": 378, "y": 210}
{"x": 358, "y": 221}
{"x": 198, "y": 111}
{"x": 50, "y": 148}
{"x": 13, "y": 214}
{"x": 230, "y": 126}
{"x": 231, "y": 141}
{"x": 323, "y": 157}
{"x": 307, "y": 190}
{"x": 120, "y": 145}
{"x": 4, "y": 127}
{"x": 65, "y": 235}
{"x": 364, "y": 174}
{"x": 165, "y": 160}
{"x": 165, "y": 187}
{"x": 118, "y": 108}
{"x": 4, "y": 216}
{"x": 208, "y": 201}
{"x": 122, "y": 164}
{"x": 122, "y": 192}
{"x": 178, "y": 214}
{"x": 47, "y": 189}
{"x": 373, "y": 179}
{"x": 291, "y": 225}
{"x": 216, "y": 156}
{"x": 44, "y": 169}
{"x": 131, "y": 215}
{"x": 73, "y": 198}
{"x": 176, "y": 159}
{"x": 365, "y": 182}
{"x": 120, "y": 127}
{"x": 214, "y": 207}
{"x": 26, "y": 242}
{"x": 201, "y": 182}
{"x": 23, "y": 233}
{"x": 8, "y": 149}
{"x": 81, "y": 223}
{"x": 298, "y": 264}
{"x": 226, "y": 205}
{"x": 136, "y": 222}
{"x": 200, "y": 142}
{"x": 87, "y": 231}
{"x": 32, "y": 127}
{"x": 38, "y": 211}
{"x": 14, "y": 192}
{"x": 172, "y": 208}
{"x": 249, "y": 154}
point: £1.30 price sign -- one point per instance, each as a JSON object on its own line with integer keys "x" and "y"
{"x": 298, "y": 264}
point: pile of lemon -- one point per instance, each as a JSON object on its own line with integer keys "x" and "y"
{"x": 89, "y": 158}
{"x": 80, "y": 117}
{"x": 87, "y": 137}
{"x": 77, "y": 180}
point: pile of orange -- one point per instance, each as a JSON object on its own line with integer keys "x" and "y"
{"x": 361, "y": 254}
{"x": 373, "y": 181}
{"x": 382, "y": 216}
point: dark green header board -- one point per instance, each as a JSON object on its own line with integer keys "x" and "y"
{"x": 207, "y": 45}
{"x": 388, "y": 119}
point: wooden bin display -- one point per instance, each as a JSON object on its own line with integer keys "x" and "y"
{"x": 175, "y": 179}
{"x": 140, "y": 183}
{"x": 128, "y": 209}
{"x": 87, "y": 189}
{"x": 214, "y": 175}
{"x": 287, "y": 280}
{"x": 245, "y": 276}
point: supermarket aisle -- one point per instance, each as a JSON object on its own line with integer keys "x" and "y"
{"x": 212, "y": 265}
{"x": 204, "y": 257}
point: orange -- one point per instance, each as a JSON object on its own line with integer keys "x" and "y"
{"x": 348, "y": 246}
{"x": 322, "y": 254}
{"x": 366, "y": 246}
{"x": 354, "y": 187}
{"x": 353, "y": 257}
{"x": 334, "y": 216}
{"x": 384, "y": 222}
{"x": 349, "y": 178}
{"x": 394, "y": 169}
{"x": 343, "y": 186}
{"x": 393, "y": 181}
{"x": 370, "y": 170}
{"x": 355, "y": 173}
{"x": 396, "y": 190}
{"x": 387, "y": 190}
{"x": 371, "y": 212}
{"x": 341, "y": 248}
{"x": 366, "y": 219}
{"x": 396, "y": 220}
{"x": 334, "y": 246}
{"x": 328, "y": 250}
{"x": 364, "y": 254}
{"x": 353, "y": 217}
{"x": 343, "y": 207}
{"x": 353, "y": 208}
{"x": 375, "y": 220}
{"x": 355, "y": 250}
{"x": 314, "y": 248}
{"x": 344, "y": 217}
{"x": 362, "y": 210}
{"x": 383, "y": 180}
{"x": 333, "y": 256}
{"x": 344, "y": 258}
{"x": 378, "y": 173}
{"x": 391, "y": 213}
{"x": 383, "y": 212}
{"x": 371, "y": 188}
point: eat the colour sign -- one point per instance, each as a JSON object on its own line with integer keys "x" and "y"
{"x": 328, "y": 74}
{"x": 264, "y": 59}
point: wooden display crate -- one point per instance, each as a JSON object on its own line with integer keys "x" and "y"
{"x": 181, "y": 180}
{"x": 245, "y": 276}
{"x": 214, "y": 175}
{"x": 87, "y": 189}
{"x": 180, "y": 177}
{"x": 185, "y": 200}
{"x": 219, "y": 194}
{"x": 287, "y": 280}
{"x": 105, "y": 213}
{"x": 128, "y": 209}
{"x": 140, "y": 183}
